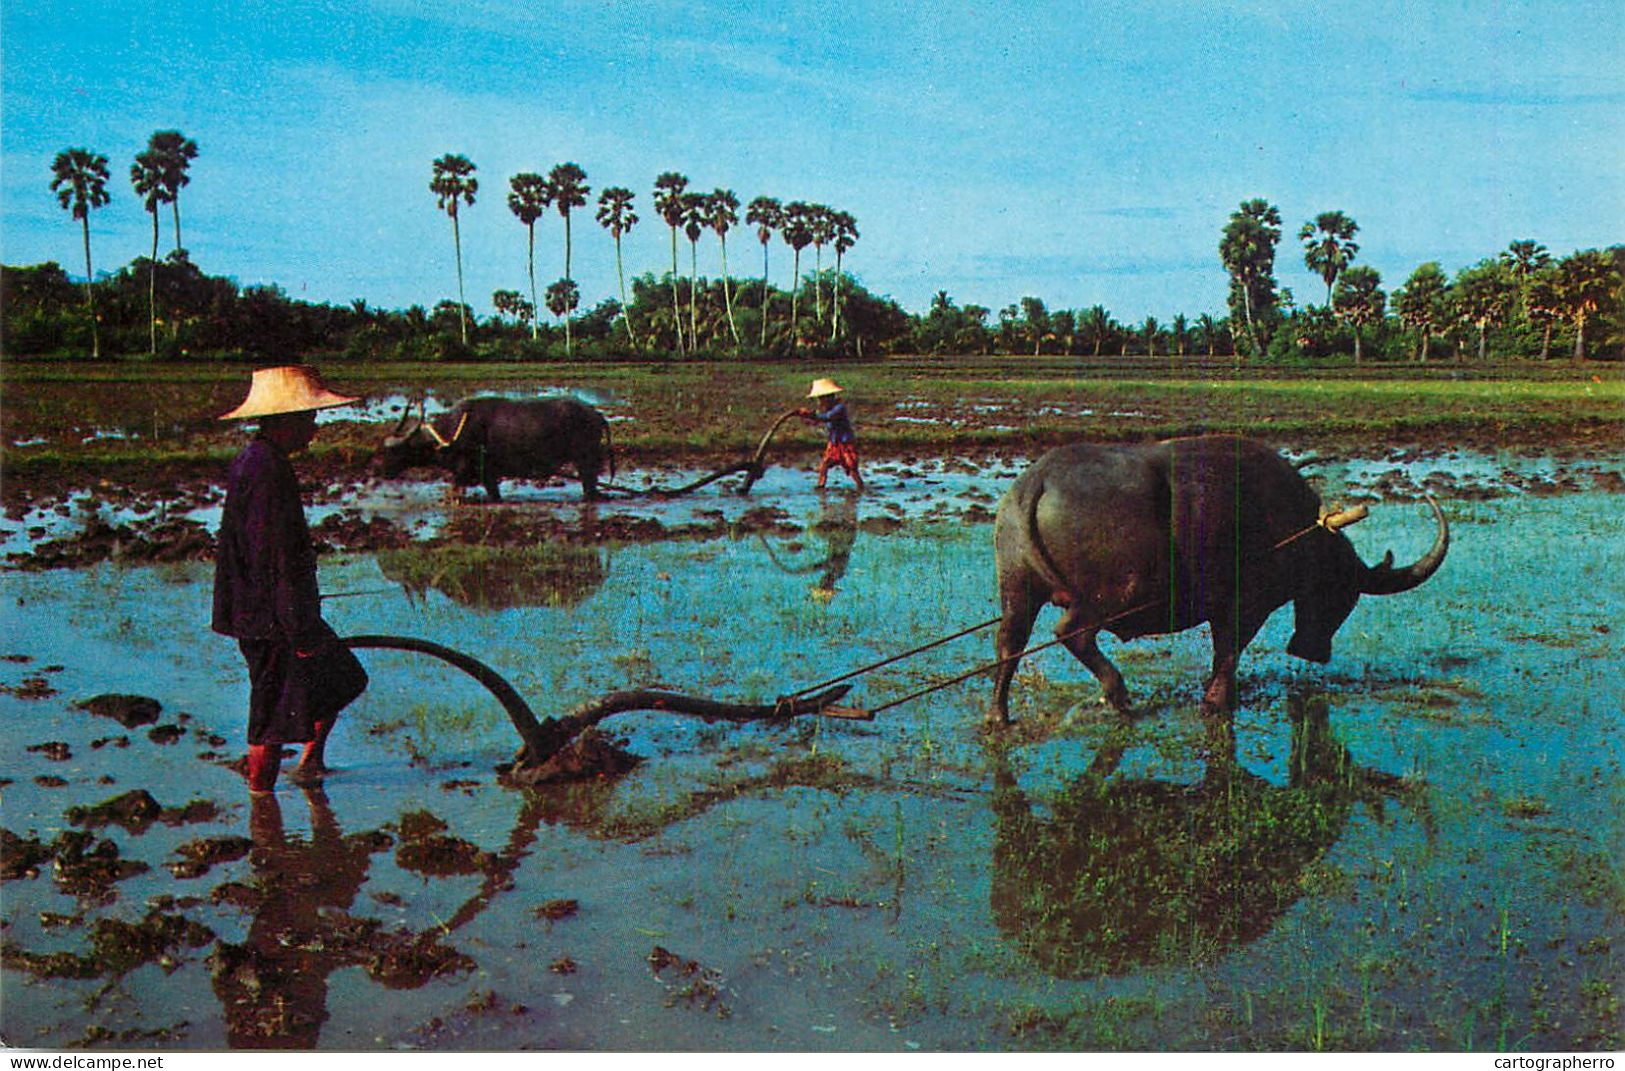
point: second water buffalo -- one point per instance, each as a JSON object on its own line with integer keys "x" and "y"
{"x": 481, "y": 441}
{"x": 1153, "y": 538}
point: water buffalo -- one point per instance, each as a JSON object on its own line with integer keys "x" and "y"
{"x": 482, "y": 440}
{"x": 1153, "y": 538}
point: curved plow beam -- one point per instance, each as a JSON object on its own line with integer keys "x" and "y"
{"x": 542, "y": 739}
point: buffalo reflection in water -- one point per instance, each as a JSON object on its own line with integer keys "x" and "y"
{"x": 499, "y": 577}
{"x": 1130, "y": 872}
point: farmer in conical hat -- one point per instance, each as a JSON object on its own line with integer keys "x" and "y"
{"x": 842, "y": 449}
{"x": 265, "y": 592}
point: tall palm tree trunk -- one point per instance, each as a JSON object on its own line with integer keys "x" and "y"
{"x": 152, "y": 289}
{"x": 694, "y": 295}
{"x": 818, "y": 282}
{"x": 626, "y": 309}
{"x": 835, "y": 300}
{"x": 175, "y": 203}
{"x": 795, "y": 298}
{"x": 676, "y": 305}
{"x": 530, "y": 261}
{"x": 1580, "y": 337}
{"x": 457, "y": 243}
{"x": 90, "y": 298}
{"x": 764, "y": 295}
{"x": 727, "y": 298}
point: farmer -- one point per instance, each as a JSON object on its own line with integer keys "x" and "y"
{"x": 300, "y": 676}
{"x": 843, "y": 447}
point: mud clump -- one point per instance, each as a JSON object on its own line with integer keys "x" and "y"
{"x": 687, "y": 982}
{"x": 54, "y": 750}
{"x": 117, "y": 948}
{"x": 426, "y": 850}
{"x": 554, "y": 910}
{"x": 408, "y": 962}
{"x": 593, "y": 755}
{"x": 130, "y": 711}
{"x": 199, "y": 856}
{"x": 22, "y": 858}
{"x": 90, "y": 868}
{"x": 35, "y": 687}
{"x": 135, "y": 812}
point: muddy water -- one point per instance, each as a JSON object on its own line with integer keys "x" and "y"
{"x": 1419, "y": 847}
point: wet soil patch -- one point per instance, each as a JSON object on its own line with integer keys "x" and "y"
{"x": 136, "y": 811}
{"x": 118, "y": 947}
{"x": 198, "y": 857}
{"x": 689, "y": 983}
{"x": 130, "y": 711}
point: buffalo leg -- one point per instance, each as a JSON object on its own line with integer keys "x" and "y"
{"x": 1020, "y": 611}
{"x": 1230, "y": 638}
{"x": 587, "y": 469}
{"x": 1086, "y": 650}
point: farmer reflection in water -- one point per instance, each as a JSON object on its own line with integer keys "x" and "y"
{"x": 273, "y": 986}
{"x": 265, "y": 595}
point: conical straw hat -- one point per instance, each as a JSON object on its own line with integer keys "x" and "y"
{"x": 822, "y": 387}
{"x": 292, "y": 388}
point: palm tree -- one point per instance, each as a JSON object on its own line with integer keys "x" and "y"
{"x": 1359, "y": 300}
{"x": 721, "y": 212}
{"x": 1543, "y": 304}
{"x": 1585, "y": 282}
{"x": 845, "y": 228}
{"x": 1180, "y": 332}
{"x": 147, "y": 176}
{"x": 821, "y": 224}
{"x": 1482, "y": 297}
{"x": 570, "y": 190}
{"x": 693, "y": 226}
{"x": 1420, "y": 303}
{"x": 797, "y": 234}
{"x": 175, "y": 153}
{"x": 615, "y": 214}
{"x": 562, "y": 299}
{"x": 668, "y": 202}
{"x": 1096, "y": 324}
{"x": 1151, "y": 329}
{"x": 79, "y": 178}
{"x": 1525, "y": 258}
{"x": 1207, "y": 328}
{"x": 767, "y": 216}
{"x": 454, "y": 183}
{"x": 1247, "y": 249}
{"x": 528, "y": 198}
{"x": 1329, "y": 246}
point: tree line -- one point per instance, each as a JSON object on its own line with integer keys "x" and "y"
{"x": 1521, "y": 303}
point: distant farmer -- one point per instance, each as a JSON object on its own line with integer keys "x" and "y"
{"x": 300, "y": 675}
{"x": 843, "y": 447}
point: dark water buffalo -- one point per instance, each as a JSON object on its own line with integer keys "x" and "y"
{"x": 1153, "y": 538}
{"x": 483, "y": 440}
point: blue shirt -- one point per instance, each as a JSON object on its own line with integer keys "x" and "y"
{"x": 840, "y": 424}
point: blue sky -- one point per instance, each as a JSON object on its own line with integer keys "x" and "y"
{"x": 1080, "y": 152}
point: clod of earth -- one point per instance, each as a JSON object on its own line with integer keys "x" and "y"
{"x": 130, "y": 711}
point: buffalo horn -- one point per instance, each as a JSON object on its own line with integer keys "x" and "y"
{"x": 1384, "y": 579}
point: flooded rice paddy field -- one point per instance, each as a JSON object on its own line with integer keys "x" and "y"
{"x": 1419, "y": 846}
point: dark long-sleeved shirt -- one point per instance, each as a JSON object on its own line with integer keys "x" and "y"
{"x": 839, "y": 422}
{"x": 265, "y": 565}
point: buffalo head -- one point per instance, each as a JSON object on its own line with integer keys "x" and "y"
{"x": 1327, "y": 600}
